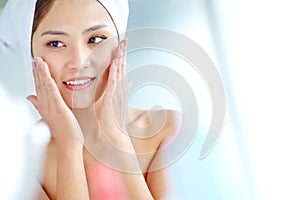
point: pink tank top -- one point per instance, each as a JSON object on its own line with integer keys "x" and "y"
{"x": 105, "y": 183}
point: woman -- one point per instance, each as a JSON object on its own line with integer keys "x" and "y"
{"x": 79, "y": 64}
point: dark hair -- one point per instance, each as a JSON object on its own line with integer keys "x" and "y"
{"x": 42, "y": 7}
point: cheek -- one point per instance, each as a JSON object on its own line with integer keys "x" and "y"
{"x": 53, "y": 61}
{"x": 54, "y": 66}
{"x": 102, "y": 55}
{"x": 101, "y": 85}
{"x": 101, "y": 60}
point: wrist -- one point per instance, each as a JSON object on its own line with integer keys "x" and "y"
{"x": 69, "y": 147}
{"x": 68, "y": 137}
{"x": 120, "y": 140}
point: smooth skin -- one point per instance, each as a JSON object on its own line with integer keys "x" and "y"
{"x": 83, "y": 123}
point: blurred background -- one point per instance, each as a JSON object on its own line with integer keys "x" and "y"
{"x": 255, "y": 46}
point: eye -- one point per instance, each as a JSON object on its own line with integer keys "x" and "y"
{"x": 96, "y": 40}
{"x": 56, "y": 44}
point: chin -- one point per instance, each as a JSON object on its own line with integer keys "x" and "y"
{"x": 80, "y": 102}
{"x": 85, "y": 98}
{"x": 81, "y": 106}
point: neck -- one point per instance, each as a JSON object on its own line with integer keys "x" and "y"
{"x": 87, "y": 119}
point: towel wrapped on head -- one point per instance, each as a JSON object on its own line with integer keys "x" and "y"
{"x": 16, "y": 20}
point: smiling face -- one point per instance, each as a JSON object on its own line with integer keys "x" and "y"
{"x": 76, "y": 39}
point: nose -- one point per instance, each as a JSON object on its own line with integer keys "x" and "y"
{"x": 78, "y": 58}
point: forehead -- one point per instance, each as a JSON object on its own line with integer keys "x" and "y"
{"x": 76, "y": 15}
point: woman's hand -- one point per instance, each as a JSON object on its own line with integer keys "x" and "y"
{"x": 51, "y": 106}
{"x": 66, "y": 132}
{"x": 114, "y": 108}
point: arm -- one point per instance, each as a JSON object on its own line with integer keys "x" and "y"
{"x": 161, "y": 182}
{"x": 121, "y": 152}
{"x": 40, "y": 193}
{"x": 132, "y": 175}
{"x": 161, "y": 179}
{"x": 58, "y": 172}
{"x": 71, "y": 180}
{"x": 69, "y": 173}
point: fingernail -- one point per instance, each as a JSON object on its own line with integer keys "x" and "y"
{"x": 119, "y": 52}
{"x": 116, "y": 61}
{"x": 36, "y": 60}
{"x": 125, "y": 42}
{"x": 33, "y": 64}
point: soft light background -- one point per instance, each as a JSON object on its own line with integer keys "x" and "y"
{"x": 255, "y": 45}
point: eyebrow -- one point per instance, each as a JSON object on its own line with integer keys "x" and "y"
{"x": 54, "y": 33}
{"x": 93, "y": 28}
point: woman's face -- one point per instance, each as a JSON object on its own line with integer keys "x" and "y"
{"x": 76, "y": 39}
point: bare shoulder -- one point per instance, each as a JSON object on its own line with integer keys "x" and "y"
{"x": 159, "y": 129}
{"x": 158, "y": 125}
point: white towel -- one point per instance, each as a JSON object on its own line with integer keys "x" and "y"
{"x": 22, "y": 148}
{"x": 119, "y": 11}
{"x": 16, "y": 21}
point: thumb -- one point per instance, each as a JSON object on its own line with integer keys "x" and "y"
{"x": 33, "y": 100}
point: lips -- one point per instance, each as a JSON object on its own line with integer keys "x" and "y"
{"x": 79, "y": 83}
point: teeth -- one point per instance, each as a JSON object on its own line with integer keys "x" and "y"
{"x": 78, "y": 82}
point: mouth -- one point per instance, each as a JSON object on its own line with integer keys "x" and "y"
{"x": 79, "y": 83}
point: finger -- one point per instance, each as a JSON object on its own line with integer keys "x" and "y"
{"x": 112, "y": 77}
{"x": 38, "y": 70}
{"x": 124, "y": 58}
{"x": 57, "y": 103}
{"x": 42, "y": 95}
{"x": 50, "y": 95}
{"x": 44, "y": 73}
{"x": 36, "y": 78}
{"x": 123, "y": 71}
{"x": 124, "y": 64}
{"x": 55, "y": 100}
{"x": 120, "y": 61}
{"x": 33, "y": 100}
{"x": 123, "y": 94}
